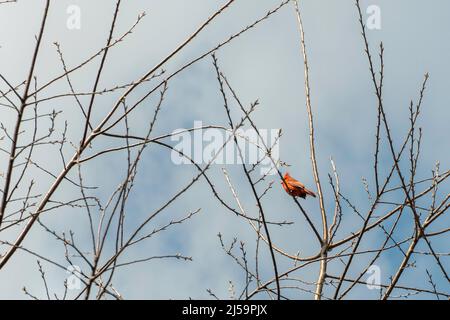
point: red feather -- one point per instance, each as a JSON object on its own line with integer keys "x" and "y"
{"x": 295, "y": 188}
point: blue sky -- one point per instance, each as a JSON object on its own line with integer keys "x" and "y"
{"x": 265, "y": 64}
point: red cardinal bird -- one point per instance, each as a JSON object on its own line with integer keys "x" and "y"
{"x": 295, "y": 188}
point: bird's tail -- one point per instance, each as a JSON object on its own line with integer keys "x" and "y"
{"x": 310, "y": 193}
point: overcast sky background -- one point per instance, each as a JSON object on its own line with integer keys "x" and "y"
{"x": 264, "y": 64}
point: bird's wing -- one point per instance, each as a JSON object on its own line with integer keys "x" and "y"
{"x": 296, "y": 183}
